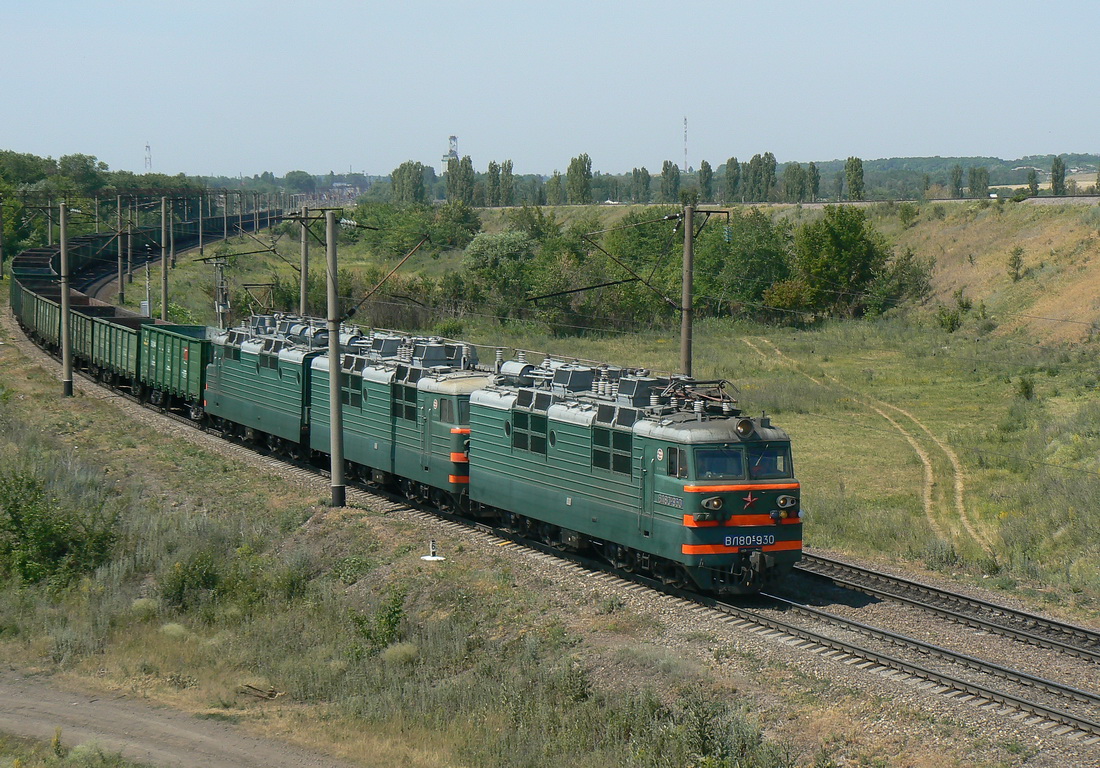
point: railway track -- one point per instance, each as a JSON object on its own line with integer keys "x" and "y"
{"x": 1058, "y": 708}
{"x": 983, "y": 615}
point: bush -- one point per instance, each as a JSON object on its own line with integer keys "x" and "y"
{"x": 191, "y": 581}
{"x": 44, "y": 539}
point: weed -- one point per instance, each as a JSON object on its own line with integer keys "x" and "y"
{"x": 220, "y": 717}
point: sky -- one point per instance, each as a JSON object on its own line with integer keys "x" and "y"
{"x": 247, "y": 86}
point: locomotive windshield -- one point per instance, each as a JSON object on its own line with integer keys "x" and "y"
{"x": 769, "y": 460}
{"x": 755, "y": 461}
{"x": 720, "y": 463}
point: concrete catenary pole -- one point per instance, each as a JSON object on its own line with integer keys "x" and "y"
{"x": 164, "y": 259}
{"x": 119, "y": 247}
{"x": 130, "y": 242}
{"x": 66, "y": 342}
{"x": 172, "y": 233}
{"x": 686, "y": 291}
{"x": 336, "y": 415}
{"x": 1, "y": 237}
{"x": 303, "y": 298}
{"x": 201, "y": 214}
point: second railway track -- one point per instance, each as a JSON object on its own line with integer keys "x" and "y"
{"x": 1031, "y": 628}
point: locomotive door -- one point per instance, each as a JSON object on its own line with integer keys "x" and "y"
{"x": 645, "y": 516}
{"x": 426, "y": 416}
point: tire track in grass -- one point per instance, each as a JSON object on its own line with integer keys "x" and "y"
{"x": 958, "y": 475}
{"x": 928, "y": 480}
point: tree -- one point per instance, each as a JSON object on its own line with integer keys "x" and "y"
{"x": 1058, "y": 177}
{"x": 1032, "y": 182}
{"x": 853, "y": 174}
{"x": 492, "y": 184}
{"x": 553, "y": 189}
{"x": 813, "y": 182}
{"x": 1016, "y": 263}
{"x": 706, "y": 182}
{"x": 670, "y": 182}
{"x": 794, "y": 183}
{"x": 755, "y": 254}
{"x": 768, "y": 180}
{"x": 639, "y": 185}
{"x": 978, "y": 181}
{"x": 956, "y": 181}
{"x": 578, "y": 180}
{"x": 752, "y": 179}
{"x": 300, "y": 181}
{"x": 507, "y": 184}
{"x": 408, "y": 183}
{"x": 460, "y": 180}
{"x": 733, "y": 180}
{"x": 838, "y": 257}
{"x": 85, "y": 173}
{"x": 838, "y": 185}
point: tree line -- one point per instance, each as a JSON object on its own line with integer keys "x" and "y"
{"x": 754, "y": 267}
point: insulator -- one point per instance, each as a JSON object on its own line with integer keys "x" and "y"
{"x": 521, "y": 356}
{"x": 654, "y": 399}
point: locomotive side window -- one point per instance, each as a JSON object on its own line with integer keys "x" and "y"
{"x": 404, "y": 402}
{"x": 720, "y": 463}
{"x": 351, "y": 390}
{"x": 612, "y": 450}
{"x": 529, "y": 432}
{"x": 677, "y": 463}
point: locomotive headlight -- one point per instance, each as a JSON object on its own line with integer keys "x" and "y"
{"x": 714, "y": 503}
{"x": 786, "y": 502}
{"x": 744, "y": 427}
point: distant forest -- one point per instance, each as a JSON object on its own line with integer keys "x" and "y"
{"x": 757, "y": 179}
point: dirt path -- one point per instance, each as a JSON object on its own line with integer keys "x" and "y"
{"x": 35, "y": 706}
{"x": 928, "y": 484}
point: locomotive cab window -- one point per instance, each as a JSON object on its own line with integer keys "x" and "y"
{"x": 769, "y": 460}
{"x": 677, "y": 462}
{"x": 454, "y": 411}
{"x": 725, "y": 463}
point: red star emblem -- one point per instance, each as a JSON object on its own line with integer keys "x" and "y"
{"x": 750, "y": 500}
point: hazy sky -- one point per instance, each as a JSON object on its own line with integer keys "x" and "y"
{"x": 243, "y": 86}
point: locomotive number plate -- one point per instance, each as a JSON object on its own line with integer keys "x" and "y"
{"x": 754, "y": 540}
{"x": 668, "y": 501}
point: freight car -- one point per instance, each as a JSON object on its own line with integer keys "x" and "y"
{"x": 662, "y": 475}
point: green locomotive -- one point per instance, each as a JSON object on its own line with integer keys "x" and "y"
{"x": 659, "y": 475}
